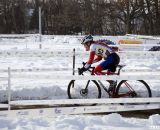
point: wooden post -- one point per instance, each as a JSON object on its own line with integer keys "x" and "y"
{"x": 9, "y": 87}
{"x": 40, "y": 25}
{"x": 74, "y": 61}
{"x": 40, "y": 46}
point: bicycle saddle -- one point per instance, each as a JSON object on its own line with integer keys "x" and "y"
{"x": 121, "y": 66}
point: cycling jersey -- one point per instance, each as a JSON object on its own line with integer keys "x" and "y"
{"x": 101, "y": 50}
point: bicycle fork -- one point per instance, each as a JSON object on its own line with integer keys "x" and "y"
{"x": 84, "y": 91}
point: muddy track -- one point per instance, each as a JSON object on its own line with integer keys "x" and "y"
{"x": 137, "y": 114}
{"x": 140, "y": 113}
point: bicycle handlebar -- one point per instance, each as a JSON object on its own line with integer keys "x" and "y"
{"x": 90, "y": 69}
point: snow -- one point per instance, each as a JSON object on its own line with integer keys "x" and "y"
{"x": 112, "y": 121}
{"x": 25, "y": 89}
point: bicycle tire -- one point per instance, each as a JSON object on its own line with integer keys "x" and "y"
{"x": 72, "y": 84}
{"x": 145, "y": 85}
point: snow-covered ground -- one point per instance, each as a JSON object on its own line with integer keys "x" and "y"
{"x": 55, "y": 89}
{"x": 112, "y": 121}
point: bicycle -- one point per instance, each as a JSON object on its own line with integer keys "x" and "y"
{"x": 92, "y": 88}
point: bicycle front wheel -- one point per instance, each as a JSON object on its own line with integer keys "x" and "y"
{"x": 78, "y": 89}
{"x": 138, "y": 88}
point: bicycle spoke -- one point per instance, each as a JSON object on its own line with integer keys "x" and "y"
{"x": 83, "y": 90}
{"x": 133, "y": 89}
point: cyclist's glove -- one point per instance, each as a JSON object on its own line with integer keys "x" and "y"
{"x": 84, "y": 68}
{"x": 87, "y": 66}
{"x": 81, "y": 70}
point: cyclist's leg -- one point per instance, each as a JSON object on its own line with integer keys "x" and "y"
{"x": 98, "y": 70}
{"x": 104, "y": 65}
{"x": 114, "y": 65}
{"x": 116, "y": 59}
{"x": 110, "y": 63}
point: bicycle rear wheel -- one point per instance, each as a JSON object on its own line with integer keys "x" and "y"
{"x": 138, "y": 88}
{"x": 77, "y": 89}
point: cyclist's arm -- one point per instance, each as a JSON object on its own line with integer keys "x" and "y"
{"x": 90, "y": 60}
{"x": 98, "y": 58}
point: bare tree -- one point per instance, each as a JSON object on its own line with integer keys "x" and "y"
{"x": 157, "y": 16}
{"x": 111, "y": 17}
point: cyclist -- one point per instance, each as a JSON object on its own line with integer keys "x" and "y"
{"x": 98, "y": 50}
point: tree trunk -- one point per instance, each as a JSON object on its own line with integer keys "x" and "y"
{"x": 157, "y": 18}
{"x": 128, "y": 26}
{"x": 150, "y": 18}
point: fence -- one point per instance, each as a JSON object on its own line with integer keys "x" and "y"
{"x": 69, "y": 53}
{"x": 109, "y": 105}
{"x": 58, "y": 110}
{"x": 143, "y": 36}
{"x": 65, "y": 38}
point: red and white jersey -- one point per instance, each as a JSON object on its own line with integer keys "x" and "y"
{"x": 99, "y": 49}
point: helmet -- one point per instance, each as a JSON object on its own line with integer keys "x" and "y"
{"x": 86, "y": 39}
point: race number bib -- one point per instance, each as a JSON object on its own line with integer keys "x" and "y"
{"x": 101, "y": 51}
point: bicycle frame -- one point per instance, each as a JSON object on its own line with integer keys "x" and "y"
{"x": 101, "y": 84}
{"x": 113, "y": 94}
{"x": 130, "y": 92}
{"x": 123, "y": 89}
